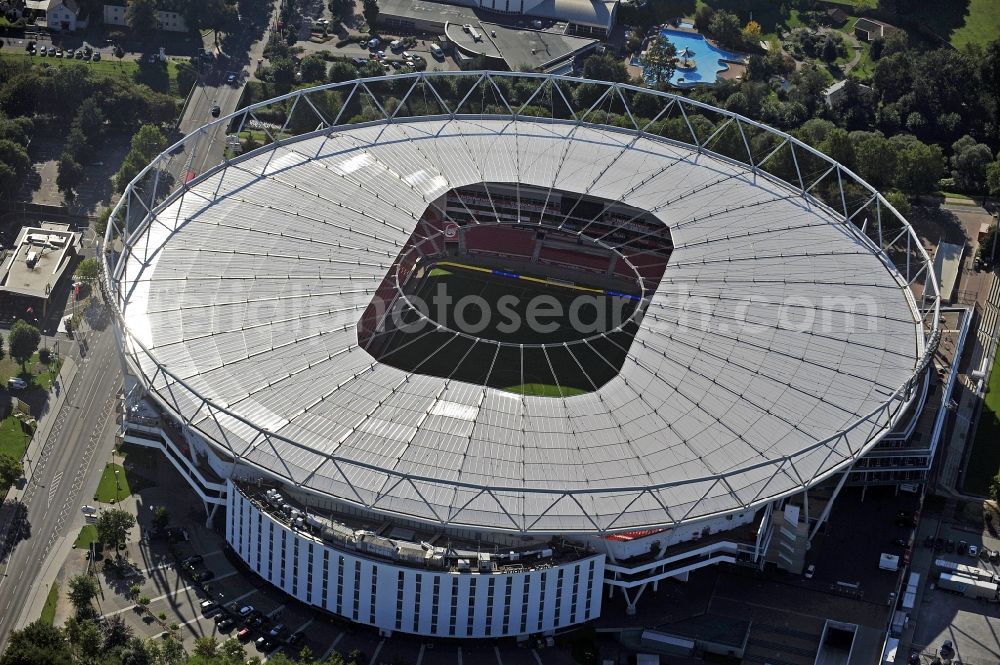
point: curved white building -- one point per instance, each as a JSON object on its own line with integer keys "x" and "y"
{"x": 774, "y": 338}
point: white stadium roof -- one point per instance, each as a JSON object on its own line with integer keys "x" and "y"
{"x": 241, "y": 302}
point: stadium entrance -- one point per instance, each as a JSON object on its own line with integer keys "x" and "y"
{"x": 529, "y": 290}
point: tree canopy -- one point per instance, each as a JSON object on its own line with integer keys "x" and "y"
{"x": 113, "y": 526}
{"x": 23, "y": 339}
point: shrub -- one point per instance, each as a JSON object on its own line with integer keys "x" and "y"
{"x": 44, "y": 356}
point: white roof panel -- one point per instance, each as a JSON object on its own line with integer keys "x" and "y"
{"x": 773, "y": 329}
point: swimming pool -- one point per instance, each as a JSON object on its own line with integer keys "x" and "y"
{"x": 706, "y": 57}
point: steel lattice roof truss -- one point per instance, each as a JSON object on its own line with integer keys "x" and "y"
{"x": 238, "y": 291}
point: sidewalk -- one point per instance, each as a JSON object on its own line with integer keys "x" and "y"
{"x": 45, "y": 422}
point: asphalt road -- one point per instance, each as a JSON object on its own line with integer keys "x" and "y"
{"x": 71, "y": 459}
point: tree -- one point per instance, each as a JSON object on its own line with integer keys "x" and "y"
{"x": 751, "y": 33}
{"x": 994, "y": 488}
{"x": 918, "y": 165}
{"x": 829, "y": 50}
{"x": 898, "y": 200}
{"x": 605, "y": 68}
{"x": 82, "y": 590}
{"x": 969, "y": 161}
{"x": 370, "y": 11}
{"x": 838, "y": 146}
{"x": 10, "y": 470}
{"x": 233, "y": 651}
{"x": 161, "y": 517}
{"x": 113, "y": 526}
{"x": 341, "y": 71}
{"x": 993, "y": 177}
{"x": 69, "y": 175}
{"x": 148, "y": 142}
{"x": 90, "y": 119}
{"x": 658, "y": 62}
{"x": 207, "y": 647}
{"x": 215, "y": 15}
{"x": 140, "y": 16}
{"x": 725, "y": 27}
{"x": 703, "y": 17}
{"x": 23, "y": 340}
{"x": 312, "y": 68}
{"x": 37, "y": 644}
{"x": 282, "y": 71}
{"x": 87, "y": 270}
{"x": 14, "y": 165}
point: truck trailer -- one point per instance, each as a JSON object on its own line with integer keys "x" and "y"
{"x": 968, "y": 587}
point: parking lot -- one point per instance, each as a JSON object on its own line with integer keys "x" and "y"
{"x": 972, "y": 625}
{"x": 175, "y": 597}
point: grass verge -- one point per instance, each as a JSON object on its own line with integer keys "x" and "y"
{"x": 49, "y": 611}
{"x": 984, "y": 459}
{"x": 13, "y": 440}
{"x": 112, "y": 489}
{"x": 88, "y": 536}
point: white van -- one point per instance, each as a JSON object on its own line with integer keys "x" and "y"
{"x": 395, "y": 44}
{"x": 436, "y": 51}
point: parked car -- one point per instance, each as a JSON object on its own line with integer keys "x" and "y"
{"x": 97, "y": 56}
{"x": 208, "y": 605}
{"x": 437, "y": 51}
{"x": 973, "y": 551}
{"x": 264, "y": 644}
{"x": 810, "y": 571}
{"x": 243, "y": 634}
{"x": 226, "y": 625}
{"x": 193, "y": 559}
{"x": 949, "y": 545}
{"x": 963, "y": 547}
{"x": 16, "y": 383}
{"x": 277, "y": 630}
{"x": 294, "y": 638}
{"x": 994, "y": 556}
{"x": 246, "y": 610}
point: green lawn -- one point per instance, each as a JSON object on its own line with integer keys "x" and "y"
{"x": 40, "y": 380}
{"x": 984, "y": 460}
{"x": 110, "y": 491}
{"x": 88, "y": 535}
{"x": 961, "y": 23}
{"x": 13, "y": 440}
{"x": 544, "y": 390}
{"x": 49, "y": 611}
{"x": 155, "y": 76}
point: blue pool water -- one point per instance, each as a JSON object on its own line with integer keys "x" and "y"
{"x": 706, "y": 57}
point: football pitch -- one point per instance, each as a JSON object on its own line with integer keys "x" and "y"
{"x": 475, "y": 307}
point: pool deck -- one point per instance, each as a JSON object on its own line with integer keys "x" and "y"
{"x": 733, "y": 70}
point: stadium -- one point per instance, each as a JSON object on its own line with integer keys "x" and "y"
{"x": 465, "y": 354}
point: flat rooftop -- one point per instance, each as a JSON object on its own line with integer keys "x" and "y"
{"x": 518, "y": 47}
{"x": 38, "y": 260}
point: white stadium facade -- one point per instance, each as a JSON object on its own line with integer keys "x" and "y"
{"x": 779, "y": 331}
